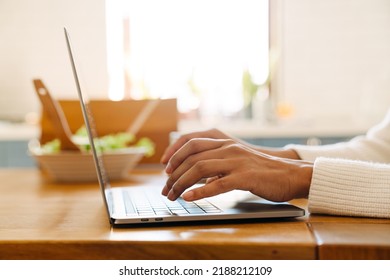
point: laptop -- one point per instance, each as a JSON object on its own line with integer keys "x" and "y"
{"x": 140, "y": 205}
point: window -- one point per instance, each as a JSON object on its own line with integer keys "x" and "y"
{"x": 197, "y": 51}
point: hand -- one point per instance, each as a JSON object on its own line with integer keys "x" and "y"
{"x": 217, "y": 134}
{"x": 232, "y": 165}
{"x": 212, "y": 133}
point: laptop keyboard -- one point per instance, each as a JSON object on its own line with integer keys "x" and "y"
{"x": 152, "y": 203}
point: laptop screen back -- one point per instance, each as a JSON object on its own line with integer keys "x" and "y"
{"x": 91, "y": 132}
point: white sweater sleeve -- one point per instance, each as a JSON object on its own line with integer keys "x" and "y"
{"x": 351, "y": 178}
{"x": 374, "y": 146}
{"x": 352, "y": 188}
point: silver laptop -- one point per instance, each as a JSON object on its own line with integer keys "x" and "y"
{"x": 132, "y": 205}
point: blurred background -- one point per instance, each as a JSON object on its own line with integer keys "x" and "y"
{"x": 272, "y": 72}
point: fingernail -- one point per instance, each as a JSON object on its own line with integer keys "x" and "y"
{"x": 168, "y": 168}
{"x": 188, "y": 196}
{"x": 164, "y": 191}
{"x": 171, "y": 195}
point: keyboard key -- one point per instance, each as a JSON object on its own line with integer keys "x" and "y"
{"x": 195, "y": 211}
{"x": 165, "y": 212}
{"x": 180, "y": 212}
{"x": 216, "y": 210}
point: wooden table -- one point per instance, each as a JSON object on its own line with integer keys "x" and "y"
{"x": 40, "y": 219}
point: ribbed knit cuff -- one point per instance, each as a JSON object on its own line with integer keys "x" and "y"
{"x": 337, "y": 150}
{"x": 350, "y": 188}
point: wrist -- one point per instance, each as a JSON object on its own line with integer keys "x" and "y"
{"x": 303, "y": 179}
{"x": 280, "y": 152}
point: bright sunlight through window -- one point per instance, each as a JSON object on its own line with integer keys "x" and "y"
{"x": 197, "y": 51}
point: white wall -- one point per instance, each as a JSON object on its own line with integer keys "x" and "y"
{"x": 335, "y": 58}
{"x": 32, "y": 45}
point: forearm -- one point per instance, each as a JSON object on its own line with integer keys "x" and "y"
{"x": 352, "y": 188}
{"x": 374, "y": 146}
{"x": 361, "y": 148}
{"x": 278, "y": 152}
